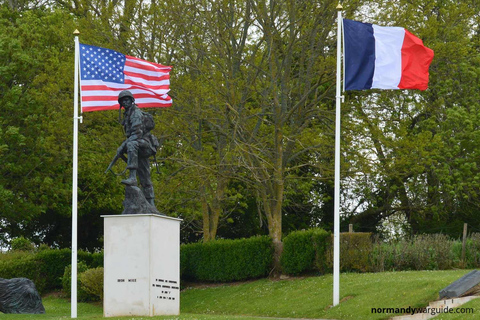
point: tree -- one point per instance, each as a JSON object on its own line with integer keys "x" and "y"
{"x": 37, "y": 98}
{"x": 286, "y": 128}
{"x": 417, "y": 154}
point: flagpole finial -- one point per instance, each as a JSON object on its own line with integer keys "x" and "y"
{"x": 76, "y": 32}
{"x": 339, "y": 7}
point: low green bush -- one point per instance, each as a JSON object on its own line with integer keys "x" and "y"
{"x": 82, "y": 294}
{"x": 304, "y": 251}
{"x": 91, "y": 281}
{"x": 227, "y": 260}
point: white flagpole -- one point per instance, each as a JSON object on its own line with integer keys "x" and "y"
{"x": 75, "y": 183}
{"x": 336, "y": 227}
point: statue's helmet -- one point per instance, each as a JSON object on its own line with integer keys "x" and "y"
{"x": 125, "y": 93}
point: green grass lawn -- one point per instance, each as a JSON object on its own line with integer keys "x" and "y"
{"x": 309, "y": 297}
{"x": 312, "y": 297}
{"x": 59, "y": 308}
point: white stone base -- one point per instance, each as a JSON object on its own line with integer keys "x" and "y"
{"x": 141, "y": 265}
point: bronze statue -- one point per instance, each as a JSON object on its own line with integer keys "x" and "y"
{"x": 139, "y": 146}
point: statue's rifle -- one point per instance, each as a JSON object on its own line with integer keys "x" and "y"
{"x": 119, "y": 155}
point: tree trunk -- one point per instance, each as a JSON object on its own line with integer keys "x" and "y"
{"x": 211, "y": 212}
{"x": 206, "y": 221}
{"x": 273, "y": 203}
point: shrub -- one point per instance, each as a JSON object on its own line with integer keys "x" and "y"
{"x": 52, "y": 265}
{"x": 24, "y": 266}
{"x": 43, "y": 247}
{"x": 185, "y": 251}
{"x": 380, "y": 256}
{"x": 227, "y": 260}
{"x": 13, "y": 255}
{"x": 432, "y": 252}
{"x": 82, "y": 295}
{"x": 92, "y": 282}
{"x": 22, "y": 244}
{"x": 355, "y": 251}
{"x": 472, "y": 252}
{"x": 46, "y": 267}
{"x": 97, "y": 259}
{"x": 304, "y": 251}
{"x": 422, "y": 252}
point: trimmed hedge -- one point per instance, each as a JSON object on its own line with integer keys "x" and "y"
{"x": 52, "y": 266}
{"x": 24, "y": 267}
{"x": 312, "y": 251}
{"x": 304, "y": 251}
{"x": 46, "y": 267}
{"x": 227, "y": 260}
{"x": 233, "y": 260}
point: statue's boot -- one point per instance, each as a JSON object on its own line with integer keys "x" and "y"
{"x": 149, "y": 195}
{"x": 132, "y": 179}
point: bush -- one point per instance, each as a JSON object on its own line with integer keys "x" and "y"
{"x": 97, "y": 259}
{"x": 355, "y": 251}
{"x": 432, "y": 252}
{"x": 472, "y": 252}
{"x": 304, "y": 251}
{"x": 24, "y": 266}
{"x": 22, "y": 244}
{"x": 92, "y": 282}
{"x": 227, "y": 260}
{"x": 45, "y": 268}
{"x": 82, "y": 294}
{"x": 422, "y": 252}
{"x": 52, "y": 265}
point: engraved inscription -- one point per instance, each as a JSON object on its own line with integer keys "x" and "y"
{"x": 167, "y": 288}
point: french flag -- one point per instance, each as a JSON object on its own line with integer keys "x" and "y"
{"x": 384, "y": 58}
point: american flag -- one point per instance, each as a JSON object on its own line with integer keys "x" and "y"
{"x": 104, "y": 73}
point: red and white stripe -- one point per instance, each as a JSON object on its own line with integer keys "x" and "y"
{"x": 148, "y": 82}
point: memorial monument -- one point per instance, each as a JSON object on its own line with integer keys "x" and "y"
{"x": 141, "y": 246}
{"x": 140, "y": 144}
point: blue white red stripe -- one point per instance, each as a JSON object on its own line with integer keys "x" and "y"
{"x": 384, "y": 58}
{"x": 104, "y": 73}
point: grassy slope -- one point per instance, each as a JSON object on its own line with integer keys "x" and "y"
{"x": 311, "y": 297}
{"x": 297, "y": 297}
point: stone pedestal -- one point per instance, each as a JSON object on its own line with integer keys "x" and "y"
{"x": 135, "y": 202}
{"x": 142, "y": 265}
